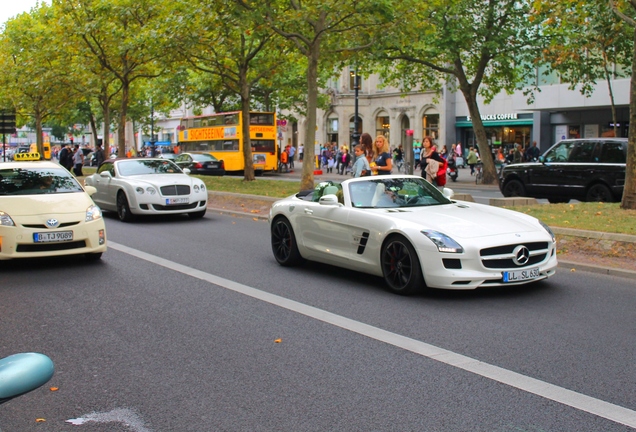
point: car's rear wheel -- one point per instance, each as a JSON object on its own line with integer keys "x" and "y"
{"x": 401, "y": 266}
{"x": 284, "y": 244}
{"x": 123, "y": 209}
{"x": 558, "y": 200}
{"x": 599, "y": 193}
{"x": 514, "y": 188}
{"x": 93, "y": 256}
{"x": 197, "y": 215}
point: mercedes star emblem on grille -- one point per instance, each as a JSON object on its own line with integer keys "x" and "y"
{"x": 521, "y": 255}
{"x": 52, "y": 223}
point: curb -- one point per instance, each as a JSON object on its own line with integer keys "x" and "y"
{"x": 573, "y": 266}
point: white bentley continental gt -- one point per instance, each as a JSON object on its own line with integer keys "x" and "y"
{"x": 45, "y": 212}
{"x": 404, "y": 229}
{"x": 147, "y": 186}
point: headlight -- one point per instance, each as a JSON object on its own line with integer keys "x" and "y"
{"x": 443, "y": 242}
{"x": 196, "y": 188}
{"x": 149, "y": 190}
{"x": 5, "y": 219}
{"x": 93, "y": 213}
{"x": 547, "y": 228}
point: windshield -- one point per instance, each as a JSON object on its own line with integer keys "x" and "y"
{"x": 35, "y": 181}
{"x": 147, "y": 166}
{"x": 395, "y": 193}
{"x": 203, "y": 157}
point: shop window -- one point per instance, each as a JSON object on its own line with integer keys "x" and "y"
{"x": 430, "y": 125}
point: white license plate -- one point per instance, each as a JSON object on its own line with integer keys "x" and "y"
{"x": 521, "y": 275}
{"x": 59, "y": 236}
{"x": 176, "y": 201}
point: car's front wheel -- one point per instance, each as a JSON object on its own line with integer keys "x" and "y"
{"x": 401, "y": 266}
{"x": 123, "y": 209}
{"x": 514, "y": 188}
{"x": 599, "y": 193}
{"x": 284, "y": 244}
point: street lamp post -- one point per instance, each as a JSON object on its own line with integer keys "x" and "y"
{"x": 152, "y": 129}
{"x": 356, "y": 86}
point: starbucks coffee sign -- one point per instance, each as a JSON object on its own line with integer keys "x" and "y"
{"x": 506, "y": 116}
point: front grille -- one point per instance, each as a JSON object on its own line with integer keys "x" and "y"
{"x": 173, "y": 190}
{"x": 507, "y": 249}
{"x": 42, "y": 226}
{"x": 49, "y": 247}
{"x": 160, "y": 207}
{"x": 500, "y": 257}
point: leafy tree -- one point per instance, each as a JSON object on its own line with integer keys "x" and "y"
{"x": 324, "y": 32}
{"x": 627, "y": 11}
{"x": 480, "y": 47}
{"x": 222, "y": 40}
{"x": 34, "y": 78}
{"x": 128, "y": 38}
{"x": 587, "y": 43}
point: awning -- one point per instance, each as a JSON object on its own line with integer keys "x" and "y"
{"x": 492, "y": 123}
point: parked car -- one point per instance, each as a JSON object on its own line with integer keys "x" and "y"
{"x": 201, "y": 163}
{"x": 147, "y": 186}
{"x": 590, "y": 169}
{"x": 404, "y": 229}
{"x": 90, "y": 159}
{"x": 45, "y": 212}
{"x": 170, "y": 156}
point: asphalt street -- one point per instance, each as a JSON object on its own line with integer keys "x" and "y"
{"x": 192, "y": 326}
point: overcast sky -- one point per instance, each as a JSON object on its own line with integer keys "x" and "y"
{"x": 10, "y": 8}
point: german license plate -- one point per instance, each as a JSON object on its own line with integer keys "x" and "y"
{"x": 170, "y": 201}
{"x": 58, "y": 236}
{"x": 521, "y": 275}
{"x": 212, "y": 165}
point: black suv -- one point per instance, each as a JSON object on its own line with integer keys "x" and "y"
{"x": 590, "y": 169}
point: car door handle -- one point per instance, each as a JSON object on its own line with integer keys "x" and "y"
{"x": 309, "y": 211}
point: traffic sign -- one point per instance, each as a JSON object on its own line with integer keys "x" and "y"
{"x": 7, "y": 122}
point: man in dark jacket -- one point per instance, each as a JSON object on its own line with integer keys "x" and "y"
{"x": 66, "y": 157}
{"x": 99, "y": 154}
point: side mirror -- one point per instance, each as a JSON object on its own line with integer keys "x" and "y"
{"x": 186, "y": 170}
{"x": 21, "y": 373}
{"x": 448, "y": 193}
{"x": 105, "y": 174}
{"x": 90, "y": 189}
{"x": 330, "y": 199}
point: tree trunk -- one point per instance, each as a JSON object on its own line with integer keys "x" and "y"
{"x": 121, "y": 130}
{"x": 307, "y": 180}
{"x": 106, "y": 132}
{"x": 611, "y": 92}
{"x": 38, "y": 132}
{"x": 248, "y": 172}
{"x": 485, "y": 154}
{"x": 629, "y": 192}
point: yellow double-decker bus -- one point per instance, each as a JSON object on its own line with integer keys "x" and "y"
{"x": 221, "y": 135}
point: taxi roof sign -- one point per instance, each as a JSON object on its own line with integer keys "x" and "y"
{"x": 26, "y": 156}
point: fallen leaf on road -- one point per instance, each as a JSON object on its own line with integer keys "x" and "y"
{"x": 573, "y": 270}
{"x": 40, "y": 420}
{"x": 255, "y": 211}
{"x": 256, "y": 219}
{"x": 279, "y": 340}
{"x": 54, "y": 389}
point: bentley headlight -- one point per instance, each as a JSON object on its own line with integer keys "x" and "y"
{"x": 443, "y": 242}
{"x": 139, "y": 190}
{"x": 547, "y": 228}
{"x": 150, "y": 190}
{"x": 196, "y": 188}
{"x": 93, "y": 213}
{"x": 5, "y": 219}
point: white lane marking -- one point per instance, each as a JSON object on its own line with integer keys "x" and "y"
{"x": 534, "y": 386}
{"x": 119, "y": 415}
